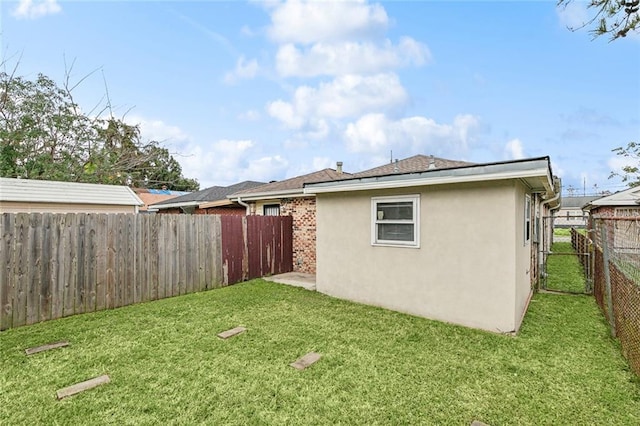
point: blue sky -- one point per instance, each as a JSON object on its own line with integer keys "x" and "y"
{"x": 269, "y": 90}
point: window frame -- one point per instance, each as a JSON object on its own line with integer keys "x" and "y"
{"x": 265, "y": 207}
{"x": 415, "y": 221}
{"x": 527, "y": 219}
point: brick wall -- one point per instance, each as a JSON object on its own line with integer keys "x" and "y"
{"x": 303, "y": 211}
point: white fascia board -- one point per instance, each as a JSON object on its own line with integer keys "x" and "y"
{"x": 138, "y": 201}
{"x": 290, "y": 193}
{"x": 627, "y": 202}
{"x": 218, "y": 203}
{"x": 409, "y": 181}
{"x": 174, "y": 205}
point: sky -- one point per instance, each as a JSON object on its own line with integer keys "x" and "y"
{"x": 270, "y": 90}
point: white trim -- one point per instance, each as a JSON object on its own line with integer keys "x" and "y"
{"x": 257, "y": 196}
{"x": 404, "y": 181}
{"x": 415, "y": 199}
{"x": 527, "y": 219}
{"x": 174, "y": 205}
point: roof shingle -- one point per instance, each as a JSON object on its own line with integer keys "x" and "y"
{"x": 415, "y": 164}
{"x": 296, "y": 182}
{"x": 213, "y": 193}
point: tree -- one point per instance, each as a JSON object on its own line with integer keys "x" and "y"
{"x": 615, "y": 18}
{"x": 45, "y": 135}
{"x": 629, "y": 174}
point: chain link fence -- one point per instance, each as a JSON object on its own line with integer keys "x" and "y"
{"x": 615, "y": 243}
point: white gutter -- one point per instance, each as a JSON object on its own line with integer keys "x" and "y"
{"x": 246, "y": 206}
{"x": 409, "y": 181}
{"x": 254, "y": 196}
{"x": 541, "y": 247}
{"x": 169, "y": 206}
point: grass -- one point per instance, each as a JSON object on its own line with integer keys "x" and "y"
{"x": 562, "y": 232}
{"x": 566, "y": 232}
{"x": 378, "y": 366}
{"x": 564, "y": 272}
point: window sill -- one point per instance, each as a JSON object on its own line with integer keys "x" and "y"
{"x": 410, "y": 245}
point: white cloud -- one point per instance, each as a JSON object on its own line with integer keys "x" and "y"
{"x": 157, "y": 130}
{"x": 377, "y": 134}
{"x": 244, "y": 70}
{"x": 227, "y": 162}
{"x": 557, "y": 169}
{"x": 222, "y": 163}
{"x": 618, "y": 162}
{"x": 349, "y": 57}
{"x": 34, "y": 9}
{"x": 573, "y": 14}
{"x": 345, "y": 96}
{"x": 513, "y": 150}
{"x": 308, "y": 22}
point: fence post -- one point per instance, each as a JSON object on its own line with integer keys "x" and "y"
{"x": 607, "y": 277}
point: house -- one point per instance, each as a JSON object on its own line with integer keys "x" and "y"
{"x": 458, "y": 244}
{"x": 621, "y": 204}
{"x": 44, "y": 196}
{"x": 623, "y": 210}
{"x": 151, "y": 196}
{"x": 287, "y": 197}
{"x": 571, "y": 214}
{"x": 212, "y": 200}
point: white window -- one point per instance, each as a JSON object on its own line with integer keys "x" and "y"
{"x": 395, "y": 221}
{"x": 271, "y": 210}
{"x": 527, "y": 218}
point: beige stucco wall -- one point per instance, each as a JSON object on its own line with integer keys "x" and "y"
{"x": 523, "y": 257}
{"x": 466, "y": 270}
{"x": 20, "y": 207}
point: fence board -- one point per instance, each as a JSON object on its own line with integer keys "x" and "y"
{"x": 121, "y": 241}
{"x": 20, "y": 261}
{"x": 101, "y": 261}
{"x": 44, "y": 290}
{"x": 6, "y": 271}
{"x": 182, "y": 255}
{"x": 32, "y": 268}
{"x": 91, "y": 263}
{"x": 216, "y": 253}
{"x": 56, "y": 265}
{"x": 152, "y": 274}
{"x": 130, "y": 269}
{"x": 109, "y": 291}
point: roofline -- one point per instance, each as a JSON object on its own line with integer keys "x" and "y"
{"x": 466, "y": 166}
{"x": 137, "y": 202}
{"x": 217, "y": 203}
{"x": 254, "y": 196}
{"x": 437, "y": 177}
{"x": 174, "y": 205}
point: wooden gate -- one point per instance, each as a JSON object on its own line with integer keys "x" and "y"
{"x": 255, "y": 246}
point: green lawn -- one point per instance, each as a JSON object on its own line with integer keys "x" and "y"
{"x": 378, "y": 367}
{"x": 562, "y": 232}
{"x": 564, "y": 272}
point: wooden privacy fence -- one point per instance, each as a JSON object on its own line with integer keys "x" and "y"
{"x": 56, "y": 265}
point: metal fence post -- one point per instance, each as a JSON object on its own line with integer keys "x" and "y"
{"x": 607, "y": 277}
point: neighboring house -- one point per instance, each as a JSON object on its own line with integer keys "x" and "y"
{"x": 286, "y": 197}
{"x": 45, "y": 196}
{"x": 211, "y": 200}
{"x": 151, "y": 196}
{"x": 624, "y": 208}
{"x": 458, "y": 244}
{"x": 571, "y": 214}
{"x": 621, "y": 204}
